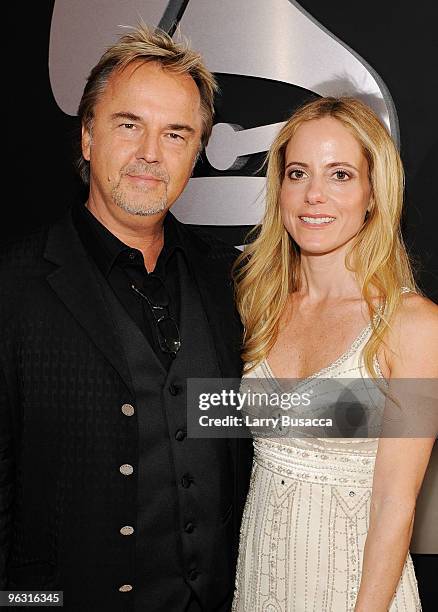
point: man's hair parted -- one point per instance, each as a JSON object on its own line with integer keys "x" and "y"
{"x": 143, "y": 44}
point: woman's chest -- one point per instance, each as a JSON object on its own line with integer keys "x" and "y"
{"x": 305, "y": 345}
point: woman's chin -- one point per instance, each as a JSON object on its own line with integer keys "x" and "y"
{"x": 318, "y": 250}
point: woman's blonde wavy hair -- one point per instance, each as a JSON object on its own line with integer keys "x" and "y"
{"x": 269, "y": 268}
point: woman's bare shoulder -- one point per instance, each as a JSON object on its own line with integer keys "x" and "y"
{"x": 413, "y": 338}
{"x": 416, "y": 310}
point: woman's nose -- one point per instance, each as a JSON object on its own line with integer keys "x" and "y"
{"x": 316, "y": 193}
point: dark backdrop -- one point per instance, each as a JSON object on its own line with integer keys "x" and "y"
{"x": 398, "y": 39}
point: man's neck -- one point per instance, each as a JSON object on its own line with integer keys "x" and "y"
{"x": 143, "y": 233}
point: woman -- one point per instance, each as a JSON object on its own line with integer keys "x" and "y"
{"x": 326, "y": 293}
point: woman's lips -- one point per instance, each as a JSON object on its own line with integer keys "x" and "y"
{"x": 316, "y": 221}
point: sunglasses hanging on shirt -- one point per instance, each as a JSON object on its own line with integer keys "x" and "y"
{"x": 158, "y": 301}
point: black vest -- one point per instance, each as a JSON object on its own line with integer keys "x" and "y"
{"x": 182, "y": 540}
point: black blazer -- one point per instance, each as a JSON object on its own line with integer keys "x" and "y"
{"x": 61, "y": 370}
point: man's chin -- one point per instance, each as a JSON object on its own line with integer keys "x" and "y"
{"x": 141, "y": 209}
{"x": 144, "y": 212}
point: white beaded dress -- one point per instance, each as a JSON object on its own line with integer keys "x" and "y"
{"x": 307, "y": 514}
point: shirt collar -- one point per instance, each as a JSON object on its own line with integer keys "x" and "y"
{"x": 106, "y": 249}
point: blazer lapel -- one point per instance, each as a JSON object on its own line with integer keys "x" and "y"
{"x": 215, "y": 288}
{"x": 220, "y": 316}
{"x": 75, "y": 283}
{"x": 212, "y": 279}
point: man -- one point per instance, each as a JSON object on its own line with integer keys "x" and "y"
{"x": 105, "y": 315}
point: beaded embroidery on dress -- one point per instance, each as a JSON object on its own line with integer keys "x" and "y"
{"x": 307, "y": 515}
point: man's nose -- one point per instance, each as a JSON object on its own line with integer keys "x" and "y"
{"x": 316, "y": 191}
{"x": 149, "y": 148}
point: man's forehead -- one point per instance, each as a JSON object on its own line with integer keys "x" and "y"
{"x": 153, "y": 75}
{"x": 148, "y": 85}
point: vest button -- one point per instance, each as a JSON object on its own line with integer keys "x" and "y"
{"x": 127, "y": 530}
{"x": 180, "y": 435}
{"x": 186, "y": 481}
{"x": 193, "y": 574}
{"x": 126, "y": 469}
{"x": 125, "y": 588}
{"x": 128, "y": 410}
{"x": 174, "y": 389}
{"x": 189, "y": 528}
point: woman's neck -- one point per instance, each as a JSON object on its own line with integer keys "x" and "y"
{"x": 327, "y": 277}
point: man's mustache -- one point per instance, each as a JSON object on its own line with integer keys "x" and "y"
{"x": 151, "y": 169}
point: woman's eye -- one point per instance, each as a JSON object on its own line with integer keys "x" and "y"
{"x": 341, "y": 175}
{"x": 296, "y": 174}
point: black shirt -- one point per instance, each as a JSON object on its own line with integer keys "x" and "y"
{"x": 123, "y": 266}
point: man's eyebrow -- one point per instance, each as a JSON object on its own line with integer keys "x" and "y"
{"x": 177, "y": 127}
{"x": 126, "y": 115}
{"x": 181, "y": 127}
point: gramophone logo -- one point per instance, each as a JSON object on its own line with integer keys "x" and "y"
{"x": 267, "y": 56}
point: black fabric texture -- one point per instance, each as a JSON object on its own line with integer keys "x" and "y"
{"x": 65, "y": 375}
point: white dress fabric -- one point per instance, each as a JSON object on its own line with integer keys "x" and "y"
{"x": 307, "y": 514}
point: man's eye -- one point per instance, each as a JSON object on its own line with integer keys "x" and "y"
{"x": 128, "y": 126}
{"x": 174, "y": 136}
